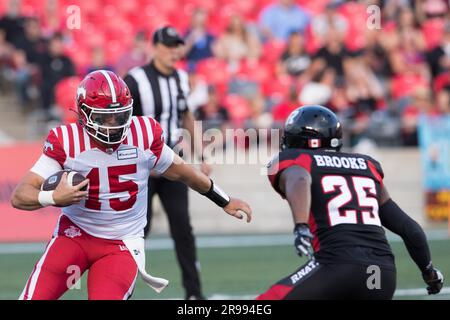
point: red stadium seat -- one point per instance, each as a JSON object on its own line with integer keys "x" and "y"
{"x": 238, "y": 108}
{"x": 65, "y": 93}
{"x": 356, "y": 16}
{"x": 277, "y": 88}
{"x": 433, "y": 31}
{"x": 404, "y": 85}
{"x": 441, "y": 81}
{"x": 215, "y": 71}
{"x": 273, "y": 50}
{"x": 312, "y": 44}
{"x": 259, "y": 72}
{"x": 314, "y": 7}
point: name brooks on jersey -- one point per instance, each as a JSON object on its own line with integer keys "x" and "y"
{"x": 341, "y": 162}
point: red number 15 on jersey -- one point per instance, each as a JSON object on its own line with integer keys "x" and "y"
{"x": 115, "y": 186}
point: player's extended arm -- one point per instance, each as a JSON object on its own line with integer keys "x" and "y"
{"x": 28, "y": 195}
{"x": 396, "y": 220}
{"x": 295, "y": 183}
{"x": 196, "y": 180}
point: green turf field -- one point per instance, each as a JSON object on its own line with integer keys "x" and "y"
{"x": 240, "y": 272}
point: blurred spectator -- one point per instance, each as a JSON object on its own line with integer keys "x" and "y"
{"x": 98, "y": 60}
{"x": 55, "y": 66}
{"x": 51, "y": 20}
{"x": 259, "y": 117}
{"x": 281, "y": 111}
{"x": 212, "y": 114}
{"x": 137, "y": 56}
{"x": 6, "y": 50}
{"x": 443, "y": 101}
{"x": 363, "y": 88}
{"x": 278, "y": 20}
{"x": 392, "y": 7}
{"x": 237, "y": 43}
{"x": 329, "y": 20}
{"x": 31, "y": 41}
{"x": 422, "y": 103}
{"x": 294, "y": 60}
{"x": 12, "y": 22}
{"x": 198, "y": 95}
{"x": 406, "y": 48}
{"x": 198, "y": 41}
{"x": 32, "y": 44}
{"x": 320, "y": 89}
{"x": 431, "y": 9}
{"x": 333, "y": 53}
{"x": 439, "y": 58}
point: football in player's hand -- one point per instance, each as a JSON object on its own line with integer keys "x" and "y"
{"x": 73, "y": 178}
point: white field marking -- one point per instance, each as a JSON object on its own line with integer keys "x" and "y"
{"x": 224, "y": 241}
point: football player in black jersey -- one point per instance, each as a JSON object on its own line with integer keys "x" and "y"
{"x": 339, "y": 205}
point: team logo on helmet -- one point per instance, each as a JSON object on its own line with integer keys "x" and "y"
{"x": 81, "y": 92}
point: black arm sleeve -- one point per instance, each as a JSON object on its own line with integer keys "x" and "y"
{"x": 134, "y": 89}
{"x": 396, "y": 220}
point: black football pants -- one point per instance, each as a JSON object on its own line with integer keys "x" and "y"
{"x": 315, "y": 281}
{"x": 174, "y": 199}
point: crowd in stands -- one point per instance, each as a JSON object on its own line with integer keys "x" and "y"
{"x": 250, "y": 62}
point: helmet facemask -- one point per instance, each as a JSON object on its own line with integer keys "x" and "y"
{"x": 109, "y": 126}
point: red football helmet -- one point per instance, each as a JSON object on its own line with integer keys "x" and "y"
{"x": 105, "y": 106}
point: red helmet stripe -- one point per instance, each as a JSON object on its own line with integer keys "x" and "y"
{"x": 111, "y": 85}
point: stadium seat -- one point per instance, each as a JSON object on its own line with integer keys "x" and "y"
{"x": 405, "y": 84}
{"x": 313, "y": 7}
{"x": 273, "y": 50}
{"x": 65, "y": 93}
{"x": 215, "y": 71}
{"x": 277, "y": 88}
{"x": 433, "y": 31}
{"x": 257, "y": 71}
{"x": 441, "y": 81}
{"x": 238, "y": 108}
{"x": 356, "y": 16}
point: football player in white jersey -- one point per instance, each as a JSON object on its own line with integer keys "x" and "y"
{"x": 101, "y": 229}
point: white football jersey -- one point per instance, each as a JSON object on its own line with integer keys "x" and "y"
{"x": 116, "y": 207}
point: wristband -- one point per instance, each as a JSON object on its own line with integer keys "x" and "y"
{"x": 45, "y": 198}
{"x": 216, "y": 195}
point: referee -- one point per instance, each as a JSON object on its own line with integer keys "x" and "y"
{"x": 160, "y": 90}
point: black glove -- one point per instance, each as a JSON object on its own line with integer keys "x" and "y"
{"x": 434, "y": 279}
{"x": 303, "y": 237}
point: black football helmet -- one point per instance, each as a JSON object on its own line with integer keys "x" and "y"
{"x": 312, "y": 127}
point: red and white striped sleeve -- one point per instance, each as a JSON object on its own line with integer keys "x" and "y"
{"x": 53, "y": 157}
{"x": 53, "y": 147}
{"x": 163, "y": 153}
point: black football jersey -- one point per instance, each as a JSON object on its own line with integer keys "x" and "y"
{"x": 345, "y": 199}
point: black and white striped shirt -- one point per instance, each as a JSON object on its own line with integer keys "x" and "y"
{"x": 160, "y": 96}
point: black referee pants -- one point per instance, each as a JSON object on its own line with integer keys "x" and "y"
{"x": 174, "y": 199}
{"x": 340, "y": 281}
